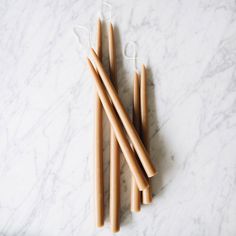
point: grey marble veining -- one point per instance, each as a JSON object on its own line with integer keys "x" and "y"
{"x": 47, "y": 115}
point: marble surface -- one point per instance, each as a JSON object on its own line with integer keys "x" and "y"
{"x": 47, "y": 115}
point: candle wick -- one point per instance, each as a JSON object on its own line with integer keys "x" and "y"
{"x": 130, "y": 52}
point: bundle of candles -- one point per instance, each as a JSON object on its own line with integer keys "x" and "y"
{"x": 122, "y": 128}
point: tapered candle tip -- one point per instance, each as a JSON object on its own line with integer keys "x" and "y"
{"x": 89, "y": 63}
{"x": 88, "y": 60}
{"x": 99, "y": 24}
{"x": 92, "y": 51}
{"x": 136, "y": 77}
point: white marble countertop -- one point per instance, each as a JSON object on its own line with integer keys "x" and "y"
{"x": 47, "y": 114}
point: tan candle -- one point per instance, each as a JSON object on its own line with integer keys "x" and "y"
{"x": 99, "y": 179}
{"x": 134, "y": 137}
{"x": 146, "y": 193}
{"x": 135, "y": 193}
{"x": 114, "y": 146}
{"x": 120, "y": 135}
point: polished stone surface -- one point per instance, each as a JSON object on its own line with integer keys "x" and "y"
{"x": 47, "y": 115}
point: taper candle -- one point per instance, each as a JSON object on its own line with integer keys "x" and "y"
{"x": 134, "y": 192}
{"x": 146, "y": 193}
{"x": 99, "y": 178}
{"x": 114, "y": 146}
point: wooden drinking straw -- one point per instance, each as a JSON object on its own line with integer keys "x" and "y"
{"x": 146, "y": 193}
{"x": 117, "y": 127}
{"x": 99, "y": 179}
{"x": 135, "y": 193}
{"x": 134, "y": 137}
{"x": 114, "y": 146}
